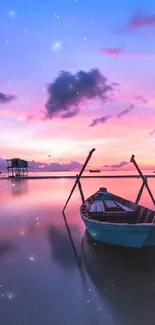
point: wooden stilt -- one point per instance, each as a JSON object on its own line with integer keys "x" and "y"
{"x": 143, "y": 178}
{"x": 79, "y": 176}
{"x": 80, "y": 189}
{"x": 140, "y": 192}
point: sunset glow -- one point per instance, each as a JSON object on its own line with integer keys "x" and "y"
{"x": 113, "y": 45}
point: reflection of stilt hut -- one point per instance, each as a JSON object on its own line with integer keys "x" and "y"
{"x": 17, "y": 168}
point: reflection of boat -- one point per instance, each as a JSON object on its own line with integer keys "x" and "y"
{"x": 124, "y": 280}
{"x": 117, "y": 221}
{"x": 154, "y": 171}
{"x": 94, "y": 170}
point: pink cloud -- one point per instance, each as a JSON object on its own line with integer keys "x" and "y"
{"x": 140, "y": 20}
{"x": 129, "y": 55}
{"x": 112, "y": 51}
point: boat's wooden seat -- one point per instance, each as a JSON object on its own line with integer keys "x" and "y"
{"x": 110, "y": 204}
{"x": 150, "y": 217}
{"x": 125, "y": 208}
{"x": 116, "y": 209}
{"x": 146, "y": 215}
{"x": 97, "y": 206}
{"x": 110, "y": 211}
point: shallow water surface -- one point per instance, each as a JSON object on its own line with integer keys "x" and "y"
{"x": 40, "y": 280}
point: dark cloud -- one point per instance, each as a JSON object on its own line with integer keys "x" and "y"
{"x": 55, "y": 166}
{"x": 126, "y": 111}
{"x": 107, "y": 117}
{"x": 152, "y": 132}
{"x": 141, "y": 99}
{"x": 69, "y": 90}
{"x": 39, "y": 166}
{"x": 100, "y": 120}
{"x": 30, "y": 117}
{"x": 4, "y": 99}
{"x": 121, "y": 164}
{"x": 115, "y": 84}
{"x": 138, "y": 21}
{"x": 71, "y": 113}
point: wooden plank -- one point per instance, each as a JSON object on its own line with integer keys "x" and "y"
{"x": 127, "y": 209}
{"x": 92, "y": 207}
{"x": 102, "y": 206}
{"x": 150, "y": 217}
{"x": 99, "y": 206}
{"x": 87, "y": 205}
{"x": 110, "y": 204}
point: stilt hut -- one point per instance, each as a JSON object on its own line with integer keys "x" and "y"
{"x": 17, "y": 168}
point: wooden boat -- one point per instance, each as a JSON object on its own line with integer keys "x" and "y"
{"x": 114, "y": 220}
{"x": 94, "y": 170}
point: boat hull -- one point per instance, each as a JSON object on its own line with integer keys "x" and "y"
{"x": 136, "y": 236}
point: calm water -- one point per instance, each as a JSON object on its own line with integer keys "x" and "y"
{"x": 40, "y": 282}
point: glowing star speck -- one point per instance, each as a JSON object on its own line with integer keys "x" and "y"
{"x": 10, "y": 295}
{"x": 31, "y": 258}
{"x": 12, "y": 13}
{"x": 57, "y": 46}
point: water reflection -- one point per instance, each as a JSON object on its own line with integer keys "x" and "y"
{"x": 124, "y": 278}
{"x": 38, "y": 261}
{"x": 60, "y": 245}
{"x": 5, "y": 247}
{"x": 18, "y": 187}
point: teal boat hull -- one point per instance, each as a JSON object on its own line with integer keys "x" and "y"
{"x": 137, "y": 236}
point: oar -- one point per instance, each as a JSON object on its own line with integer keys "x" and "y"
{"x": 142, "y": 176}
{"x": 79, "y": 176}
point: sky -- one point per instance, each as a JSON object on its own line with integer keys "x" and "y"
{"x": 77, "y": 74}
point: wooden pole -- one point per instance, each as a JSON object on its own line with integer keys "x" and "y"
{"x": 81, "y": 191}
{"x": 79, "y": 176}
{"x": 143, "y": 178}
{"x": 140, "y": 193}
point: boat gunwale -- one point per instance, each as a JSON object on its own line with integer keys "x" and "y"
{"x": 83, "y": 205}
{"x": 116, "y": 223}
